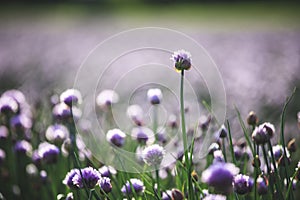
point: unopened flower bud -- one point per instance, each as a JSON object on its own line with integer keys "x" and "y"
{"x": 252, "y": 118}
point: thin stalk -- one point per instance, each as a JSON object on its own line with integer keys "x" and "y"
{"x": 282, "y": 133}
{"x": 155, "y": 120}
{"x": 184, "y": 137}
{"x": 291, "y": 184}
{"x": 230, "y": 143}
{"x": 90, "y": 194}
{"x": 157, "y": 192}
{"x": 224, "y": 149}
{"x": 268, "y": 167}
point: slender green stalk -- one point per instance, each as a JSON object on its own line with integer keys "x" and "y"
{"x": 90, "y": 194}
{"x": 287, "y": 195}
{"x": 230, "y": 143}
{"x": 155, "y": 120}
{"x": 282, "y": 141}
{"x": 224, "y": 149}
{"x": 184, "y": 137}
{"x": 157, "y": 192}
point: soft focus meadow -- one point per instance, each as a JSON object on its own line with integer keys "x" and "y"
{"x": 44, "y": 139}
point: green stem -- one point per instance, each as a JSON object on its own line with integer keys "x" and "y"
{"x": 230, "y": 142}
{"x": 155, "y": 119}
{"x": 184, "y": 137}
{"x": 157, "y": 192}
{"x": 291, "y": 184}
{"x": 282, "y": 133}
{"x": 224, "y": 149}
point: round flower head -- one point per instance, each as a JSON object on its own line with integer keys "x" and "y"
{"x": 88, "y": 176}
{"x": 105, "y": 185}
{"x": 8, "y": 105}
{"x": 242, "y": 184}
{"x": 48, "y": 152}
{"x": 153, "y": 155}
{"x": 106, "y": 98}
{"x": 161, "y": 135}
{"x": 135, "y": 184}
{"x": 116, "y": 137}
{"x": 57, "y": 133}
{"x": 154, "y": 96}
{"x": 143, "y": 135}
{"x": 182, "y": 60}
{"x": 135, "y": 113}
{"x": 23, "y": 147}
{"x": 68, "y": 181}
{"x": 263, "y": 133}
{"x": 17, "y": 95}
{"x": 71, "y": 97}
{"x": 220, "y": 176}
{"x": 107, "y": 171}
{"x": 177, "y": 194}
{"x": 70, "y": 196}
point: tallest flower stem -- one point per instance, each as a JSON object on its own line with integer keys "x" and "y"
{"x": 184, "y": 137}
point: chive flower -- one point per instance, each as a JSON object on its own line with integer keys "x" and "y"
{"x": 68, "y": 181}
{"x": 57, "y": 133}
{"x": 116, "y": 137}
{"x": 105, "y": 185}
{"x": 242, "y": 184}
{"x": 135, "y": 184}
{"x": 71, "y": 97}
{"x": 153, "y": 155}
{"x": 48, "y": 152}
{"x": 106, "y": 98}
{"x": 107, "y": 171}
{"x": 182, "y": 60}
{"x": 263, "y": 133}
{"x": 220, "y": 176}
{"x": 143, "y": 135}
{"x": 88, "y": 177}
{"x": 154, "y": 96}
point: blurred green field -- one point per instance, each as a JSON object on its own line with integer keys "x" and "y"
{"x": 220, "y": 16}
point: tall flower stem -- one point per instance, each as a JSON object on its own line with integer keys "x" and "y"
{"x": 184, "y": 137}
{"x": 155, "y": 120}
{"x": 158, "y": 183}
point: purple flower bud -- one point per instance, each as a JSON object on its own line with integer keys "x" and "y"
{"x": 161, "y": 135}
{"x": 106, "y": 98}
{"x": 107, "y": 171}
{"x": 68, "y": 181}
{"x": 2, "y": 156}
{"x": 44, "y": 176}
{"x": 143, "y": 135}
{"x": 21, "y": 122}
{"x": 154, "y": 96}
{"x": 173, "y": 121}
{"x": 8, "y": 105}
{"x": 167, "y": 195}
{"x": 62, "y": 112}
{"x": 153, "y": 155}
{"x": 263, "y": 133}
{"x": 242, "y": 184}
{"x": 177, "y": 194}
{"x": 135, "y": 113}
{"x": 71, "y": 97}
{"x": 278, "y": 152}
{"x": 220, "y": 176}
{"x": 116, "y": 137}
{"x": 48, "y": 152}
{"x": 36, "y": 158}
{"x": 252, "y": 118}
{"x": 57, "y": 133}
{"x": 70, "y": 196}
{"x": 105, "y": 185}
{"x": 223, "y": 132}
{"x": 262, "y": 185}
{"x": 88, "y": 176}
{"x": 3, "y": 132}
{"x": 134, "y": 183}
{"x": 182, "y": 60}
{"x": 23, "y": 147}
